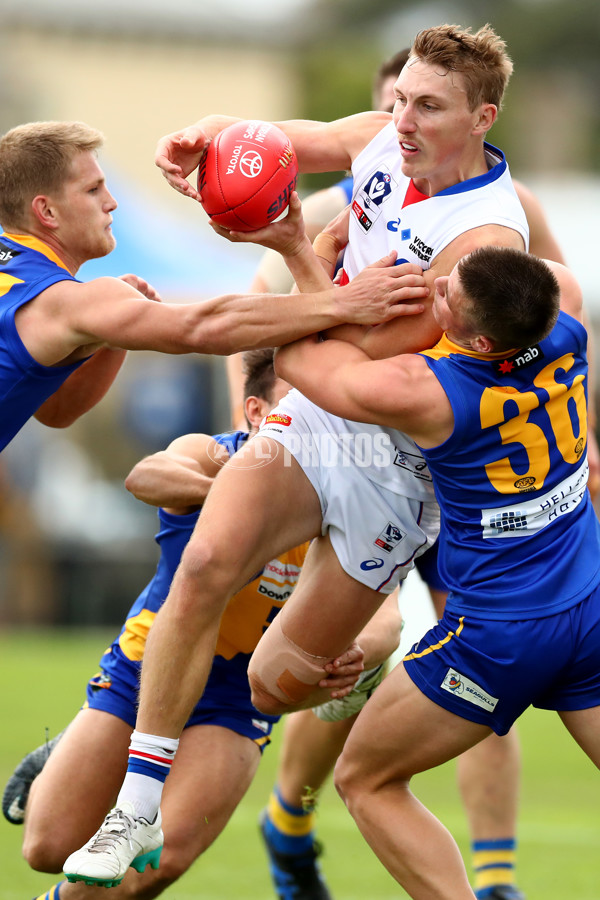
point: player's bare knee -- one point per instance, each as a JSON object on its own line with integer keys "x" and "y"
{"x": 208, "y": 574}
{"x": 205, "y": 558}
{"x": 342, "y": 777}
{"x": 352, "y": 780}
{"x": 42, "y": 852}
{"x": 263, "y": 700}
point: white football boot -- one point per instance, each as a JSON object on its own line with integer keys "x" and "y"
{"x": 120, "y": 842}
{"x": 343, "y": 707}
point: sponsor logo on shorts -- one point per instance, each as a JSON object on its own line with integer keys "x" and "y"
{"x": 279, "y": 418}
{"x": 468, "y": 690}
{"x": 525, "y": 358}
{"x": 7, "y": 253}
{"x": 101, "y": 680}
{"x": 261, "y": 725}
{"x": 413, "y": 463}
{"x": 368, "y": 564}
{"x": 390, "y": 537}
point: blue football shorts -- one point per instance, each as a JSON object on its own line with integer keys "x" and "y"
{"x": 489, "y": 671}
{"x": 107, "y": 692}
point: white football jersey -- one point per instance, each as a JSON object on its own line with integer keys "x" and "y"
{"x": 389, "y": 213}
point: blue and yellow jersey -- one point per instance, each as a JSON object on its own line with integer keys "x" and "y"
{"x": 27, "y": 267}
{"x": 245, "y": 619}
{"x": 511, "y": 480}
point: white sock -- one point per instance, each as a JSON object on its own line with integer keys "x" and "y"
{"x": 150, "y": 760}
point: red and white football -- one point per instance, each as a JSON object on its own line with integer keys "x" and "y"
{"x": 247, "y": 174}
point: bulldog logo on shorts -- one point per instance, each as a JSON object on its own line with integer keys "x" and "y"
{"x": 390, "y": 537}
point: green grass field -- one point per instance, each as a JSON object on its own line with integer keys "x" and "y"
{"x": 43, "y": 676}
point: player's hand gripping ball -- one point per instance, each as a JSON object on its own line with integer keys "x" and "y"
{"x": 247, "y": 174}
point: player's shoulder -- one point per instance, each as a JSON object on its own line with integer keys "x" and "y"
{"x": 571, "y": 295}
{"x": 361, "y": 128}
{"x": 204, "y": 449}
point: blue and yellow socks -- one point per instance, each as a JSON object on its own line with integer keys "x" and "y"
{"x": 288, "y": 829}
{"x": 494, "y": 864}
{"x": 52, "y": 894}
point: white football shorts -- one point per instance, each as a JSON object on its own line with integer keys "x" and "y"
{"x": 374, "y": 487}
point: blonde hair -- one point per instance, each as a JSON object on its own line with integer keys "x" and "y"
{"x": 36, "y": 159}
{"x": 481, "y": 59}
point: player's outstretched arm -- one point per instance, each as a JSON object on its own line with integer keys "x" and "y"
{"x": 70, "y": 320}
{"x": 319, "y": 146}
{"x": 82, "y": 390}
{"x": 400, "y": 392}
{"x": 288, "y": 237}
{"x": 180, "y": 477}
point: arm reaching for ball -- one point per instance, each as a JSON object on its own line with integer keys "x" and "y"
{"x": 288, "y": 237}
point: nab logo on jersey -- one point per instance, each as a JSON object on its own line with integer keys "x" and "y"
{"x": 520, "y": 361}
{"x": 378, "y": 187}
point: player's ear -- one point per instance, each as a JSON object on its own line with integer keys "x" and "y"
{"x": 482, "y": 344}
{"x": 486, "y": 117}
{"x": 256, "y": 409}
{"x": 43, "y": 210}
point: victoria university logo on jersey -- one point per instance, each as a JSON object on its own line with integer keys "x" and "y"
{"x": 7, "y": 254}
{"x": 520, "y": 360}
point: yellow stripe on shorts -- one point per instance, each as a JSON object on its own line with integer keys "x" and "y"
{"x": 441, "y": 643}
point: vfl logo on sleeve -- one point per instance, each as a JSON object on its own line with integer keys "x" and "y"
{"x": 525, "y": 358}
{"x": 7, "y": 254}
{"x": 463, "y": 687}
{"x": 390, "y": 537}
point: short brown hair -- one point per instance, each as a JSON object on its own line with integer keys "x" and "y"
{"x": 35, "y": 159}
{"x": 512, "y": 296}
{"x": 481, "y": 59}
{"x": 259, "y": 373}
